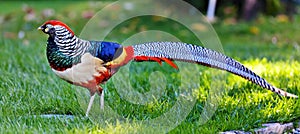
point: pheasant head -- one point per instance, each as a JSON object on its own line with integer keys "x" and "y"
{"x": 63, "y": 47}
{"x": 54, "y": 27}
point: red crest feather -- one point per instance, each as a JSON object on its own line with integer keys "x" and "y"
{"x": 56, "y": 22}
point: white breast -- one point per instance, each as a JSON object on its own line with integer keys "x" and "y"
{"x": 87, "y": 70}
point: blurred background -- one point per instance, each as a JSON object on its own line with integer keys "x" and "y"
{"x": 249, "y": 10}
{"x": 262, "y": 22}
{"x": 262, "y": 34}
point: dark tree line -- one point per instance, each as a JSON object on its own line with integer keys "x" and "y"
{"x": 249, "y": 9}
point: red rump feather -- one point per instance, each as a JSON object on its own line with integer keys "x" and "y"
{"x": 56, "y": 22}
{"x": 156, "y": 59}
{"x": 130, "y": 55}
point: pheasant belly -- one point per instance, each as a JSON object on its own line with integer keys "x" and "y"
{"x": 89, "y": 73}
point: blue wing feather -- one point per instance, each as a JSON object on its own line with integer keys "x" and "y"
{"x": 105, "y": 51}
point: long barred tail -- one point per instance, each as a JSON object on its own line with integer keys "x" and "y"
{"x": 196, "y": 54}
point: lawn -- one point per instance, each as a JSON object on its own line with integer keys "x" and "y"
{"x": 28, "y": 88}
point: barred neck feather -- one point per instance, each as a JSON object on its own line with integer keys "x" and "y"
{"x": 64, "y": 49}
{"x": 68, "y": 43}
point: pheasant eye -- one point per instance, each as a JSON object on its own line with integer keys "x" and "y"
{"x": 49, "y": 26}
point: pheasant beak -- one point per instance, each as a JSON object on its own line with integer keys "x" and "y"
{"x": 40, "y": 28}
{"x": 43, "y": 29}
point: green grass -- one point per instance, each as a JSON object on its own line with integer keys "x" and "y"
{"x": 28, "y": 87}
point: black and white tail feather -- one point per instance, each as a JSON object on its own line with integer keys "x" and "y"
{"x": 196, "y": 54}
